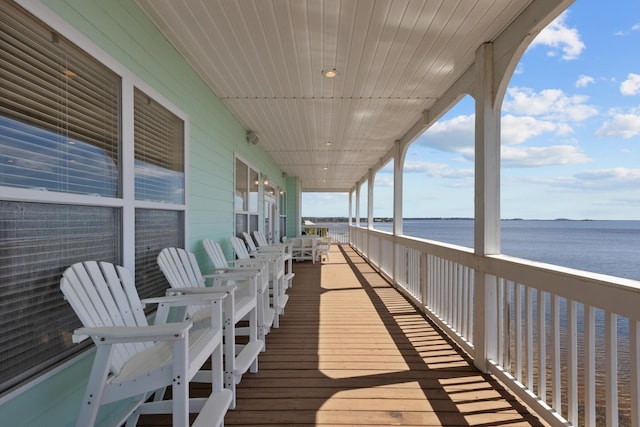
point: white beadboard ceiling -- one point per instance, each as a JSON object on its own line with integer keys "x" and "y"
{"x": 394, "y": 58}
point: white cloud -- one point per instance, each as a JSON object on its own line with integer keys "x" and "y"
{"x": 584, "y": 81}
{"x": 518, "y": 129}
{"x": 631, "y": 86}
{"x": 604, "y": 179}
{"x": 436, "y": 170}
{"x": 557, "y": 35}
{"x": 622, "y": 124}
{"x": 551, "y": 104}
{"x": 635, "y": 27}
{"x": 383, "y": 180}
{"x": 455, "y": 135}
{"x": 519, "y": 157}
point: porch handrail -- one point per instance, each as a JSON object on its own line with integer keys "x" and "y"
{"x": 495, "y": 307}
{"x": 337, "y": 233}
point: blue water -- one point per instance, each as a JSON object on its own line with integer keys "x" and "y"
{"x": 607, "y": 247}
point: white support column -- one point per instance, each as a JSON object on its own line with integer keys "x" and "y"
{"x": 298, "y": 206}
{"x": 487, "y": 205}
{"x": 487, "y": 157}
{"x": 370, "y": 200}
{"x": 350, "y": 207}
{"x": 358, "y": 186}
{"x": 397, "y": 190}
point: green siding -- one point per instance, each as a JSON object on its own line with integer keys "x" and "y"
{"x": 125, "y": 33}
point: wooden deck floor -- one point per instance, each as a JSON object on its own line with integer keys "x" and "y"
{"x": 351, "y": 350}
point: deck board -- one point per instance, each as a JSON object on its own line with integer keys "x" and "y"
{"x": 351, "y": 350}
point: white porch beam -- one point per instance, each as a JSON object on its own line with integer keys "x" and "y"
{"x": 358, "y": 186}
{"x": 487, "y": 205}
{"x": 298, "y": 206}
{"x": 350, "y": 207}
{"x": 398, "y": 163}
{"x": 487, "y": 157}
{"x": 370, "y": 199}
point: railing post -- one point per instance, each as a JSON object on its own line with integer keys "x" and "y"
{"x": 485, "y": 323}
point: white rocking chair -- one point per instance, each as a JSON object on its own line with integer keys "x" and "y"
{"x": 183, "y": 274}
{"x": 275, "y": 261}
{"x": 134, "y": 359}
{"x": 242, "y": 270}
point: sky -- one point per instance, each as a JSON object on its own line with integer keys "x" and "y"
{"x": 570, "y": 132}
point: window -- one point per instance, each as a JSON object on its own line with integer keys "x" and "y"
{"x": 59, "y": 112}
{"x": 37, "y": 242}
{"x": 155, "y": 229}
{"x": 159, "y": 177}
{"x": 159, "y": 151}
{"x": 246, "y": 198}
{"x": 66, "y": 191}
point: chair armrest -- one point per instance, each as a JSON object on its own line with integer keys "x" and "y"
{"x": 199, "y": 298}
{"x": 249, "y": 263}
{"x": 269, "y": 255}
{"x": 238, "y": 274}
{"x": 263, "y": 249}
{"x": 128, "y": 334}
{"x": 192, "y": 290}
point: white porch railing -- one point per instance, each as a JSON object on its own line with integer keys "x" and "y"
{"x": 338, "y": 233}
{"x": 564, "y": 340}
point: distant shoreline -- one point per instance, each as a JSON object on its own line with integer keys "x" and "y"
{"x": 386, "y": 219}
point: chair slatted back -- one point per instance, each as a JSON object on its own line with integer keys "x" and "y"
{"x": 181, "y": 270}
{"x": 250, "y": 243}
{"x": 239, "y": 248}
{"x": 102, "y": 294}
{"x": 214, "y": 251}
{"x": 260, "y": 239}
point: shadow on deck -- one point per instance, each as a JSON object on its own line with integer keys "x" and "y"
{"x": 351, "y": 350}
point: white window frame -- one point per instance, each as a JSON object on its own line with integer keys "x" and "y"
{"x": 247, "y": 212}
{"x": 126, "y": 201}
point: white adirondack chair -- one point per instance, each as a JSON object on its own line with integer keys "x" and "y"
{"x": 275, "y": 261}
{"x": 305, "y": 248}
{"x": 323, "y": 247}
{"x": 285, "y": 247}
{"x": 183, "y": 274}
{"x": 253, "y": 249}
{"x": 134, "y": 359}
{"x": 241, "y": 271}
{"x": 260, "y": 239}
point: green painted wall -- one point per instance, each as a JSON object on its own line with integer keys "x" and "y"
{"x": 124, "y": 32}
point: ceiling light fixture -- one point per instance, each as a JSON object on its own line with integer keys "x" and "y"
{"x": 330, "y": 73}
{"x": 328, "y": 143}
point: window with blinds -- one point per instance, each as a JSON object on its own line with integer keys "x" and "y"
{"x": 37, "y": 242}
{"x": 60, "y": 131}
{"x": 247, "y": 185}
{"x": 159, "y": 151}
{"x": 59, "y": 111}
{"x": 155, "y": 230}
{"x": 242, "y": 187}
